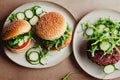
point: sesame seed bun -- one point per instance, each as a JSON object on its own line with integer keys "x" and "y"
{"x": 15, "y": 28}
{"x": 51, "y": 26}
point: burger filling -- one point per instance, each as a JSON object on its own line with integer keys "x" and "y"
{"x": 57, "y": 42}
{"x": 19, "y": 41}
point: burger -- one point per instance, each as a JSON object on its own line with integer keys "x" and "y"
{"x": 53, "y": 31}
{"x": 17, "y": 36}
{"x": 103, "y": 41}
{"x": 101, "y": 59}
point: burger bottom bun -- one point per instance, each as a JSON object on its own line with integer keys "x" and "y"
{"x": 68, "y": 40}
{"x": 28, "y": 46}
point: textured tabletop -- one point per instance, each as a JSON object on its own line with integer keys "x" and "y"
{"x": 78, "y": 8}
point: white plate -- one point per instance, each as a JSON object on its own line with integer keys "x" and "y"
{"x": 56, "y": 56}
{"x": 79, "y": 44}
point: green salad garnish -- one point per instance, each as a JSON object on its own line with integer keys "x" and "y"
{"x": 104, "y": 35}
{"x": 19, "y": 40}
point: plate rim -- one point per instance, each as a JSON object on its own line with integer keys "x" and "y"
{"x": 49, "y": 3}
{"x": 73, "y": 43}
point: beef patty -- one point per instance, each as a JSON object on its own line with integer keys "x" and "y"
{"x": 101, "y": 59}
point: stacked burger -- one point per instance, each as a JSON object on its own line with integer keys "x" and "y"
{"x": 18, "y": 36}
{"x": 53, "y": 31}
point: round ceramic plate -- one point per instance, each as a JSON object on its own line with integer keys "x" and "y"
{"x": 55, "y": 56}
{"x": 79, "y": 44}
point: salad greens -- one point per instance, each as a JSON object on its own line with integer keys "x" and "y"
{"x": 104, "y": 35}
{"x": 19, "y": 40}
{"x": 57, "y": 42}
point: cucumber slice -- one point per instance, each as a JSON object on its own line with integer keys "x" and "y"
{"x": 26, "y": 38}
{"x": 101, "y": 28}
{"x": 109, "y": 69}
{"x": 89, "y": 31}
{"x": 34, "y": 20}
{"x": 20, "y": 15}
{"x": 28, "y": 13}
{"x": 105, "y": 45}
{"x": 21, "y": 42}
{"x": 39, "y": 11}
{"x": 43, "y": 61}
{"x": 33, "y": 56}
{"x": 36, "y": 7}
{"x": 34, "y": 63}
{"x": 43, "y": 13}
{"x": 30, "y": 50}
{"x": 117, "y": 65}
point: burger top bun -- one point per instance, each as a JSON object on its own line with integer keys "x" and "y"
{"x": 15, "y": 28}
{"x": 51, "y": 26}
